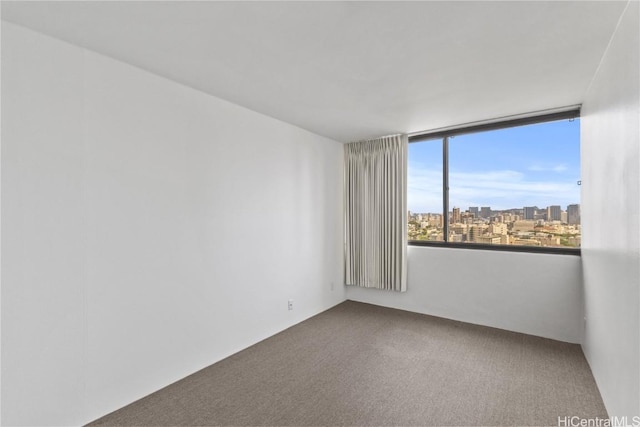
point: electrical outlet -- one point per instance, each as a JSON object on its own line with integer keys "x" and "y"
{"x": 332, "y": 286}
{"x": 290, "y": 304}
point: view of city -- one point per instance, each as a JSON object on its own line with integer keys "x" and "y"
{"x": 528, "y": 226}
{"x": 510, "y": 186}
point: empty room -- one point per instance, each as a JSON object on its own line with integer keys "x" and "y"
{"x": 320, "y": 213}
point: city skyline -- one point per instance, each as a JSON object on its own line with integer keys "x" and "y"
{"x": 549, "y": 226}
{"x": 467, "y": 208}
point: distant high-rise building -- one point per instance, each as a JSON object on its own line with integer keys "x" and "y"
{"x": 573, "y": 214}
{"x": 485, "y": 212}
{"x": 455, "y": 218}
{"x": 459, "y": 229}
{"x": 529, "y": 212}
{"x": 523, "y": 225}
{"x": 474, "y": 233}
{"x": 474, "y": 211}
{"x": 466, "y": 218}
{"x": 490, "y": 240}
{"x": 498, "y": 228}
{"x": 456, "y": 238}
{"x": 554, "y": 213}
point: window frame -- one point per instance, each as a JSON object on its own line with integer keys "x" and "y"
{"x": 444, "y": 135}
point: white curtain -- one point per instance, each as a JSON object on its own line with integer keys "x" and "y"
{"x": 376, "y": 213}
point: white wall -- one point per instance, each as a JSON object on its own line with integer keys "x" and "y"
{"x": 611, "y": 220}
{"x": 537, "y": 294}
{"x": 149, "y": 230}
{"x": 0, "y": 224}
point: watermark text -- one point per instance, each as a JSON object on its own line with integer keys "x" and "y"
{"x": 576, "y": 421}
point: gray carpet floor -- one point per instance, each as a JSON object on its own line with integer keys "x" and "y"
{"x": 362, "y": 365}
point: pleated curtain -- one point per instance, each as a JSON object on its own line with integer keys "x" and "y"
{"x": 376, "y": 213}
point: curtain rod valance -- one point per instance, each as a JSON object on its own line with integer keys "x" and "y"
{"x": 395, "y": 135}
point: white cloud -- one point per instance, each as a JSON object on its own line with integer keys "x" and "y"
{"x": 547, "y": 167}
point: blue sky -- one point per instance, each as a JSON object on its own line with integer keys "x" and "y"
{"x": 534, "y": 165}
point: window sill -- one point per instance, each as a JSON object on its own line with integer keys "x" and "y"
{"x": 499, "y": 248}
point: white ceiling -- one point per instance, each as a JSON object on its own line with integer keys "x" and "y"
{"x": 352, "y": 70}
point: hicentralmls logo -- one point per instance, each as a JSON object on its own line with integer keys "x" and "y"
{"x": 576, "y": 421}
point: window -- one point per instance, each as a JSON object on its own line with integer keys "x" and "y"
{"x": 506, "y": 186}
